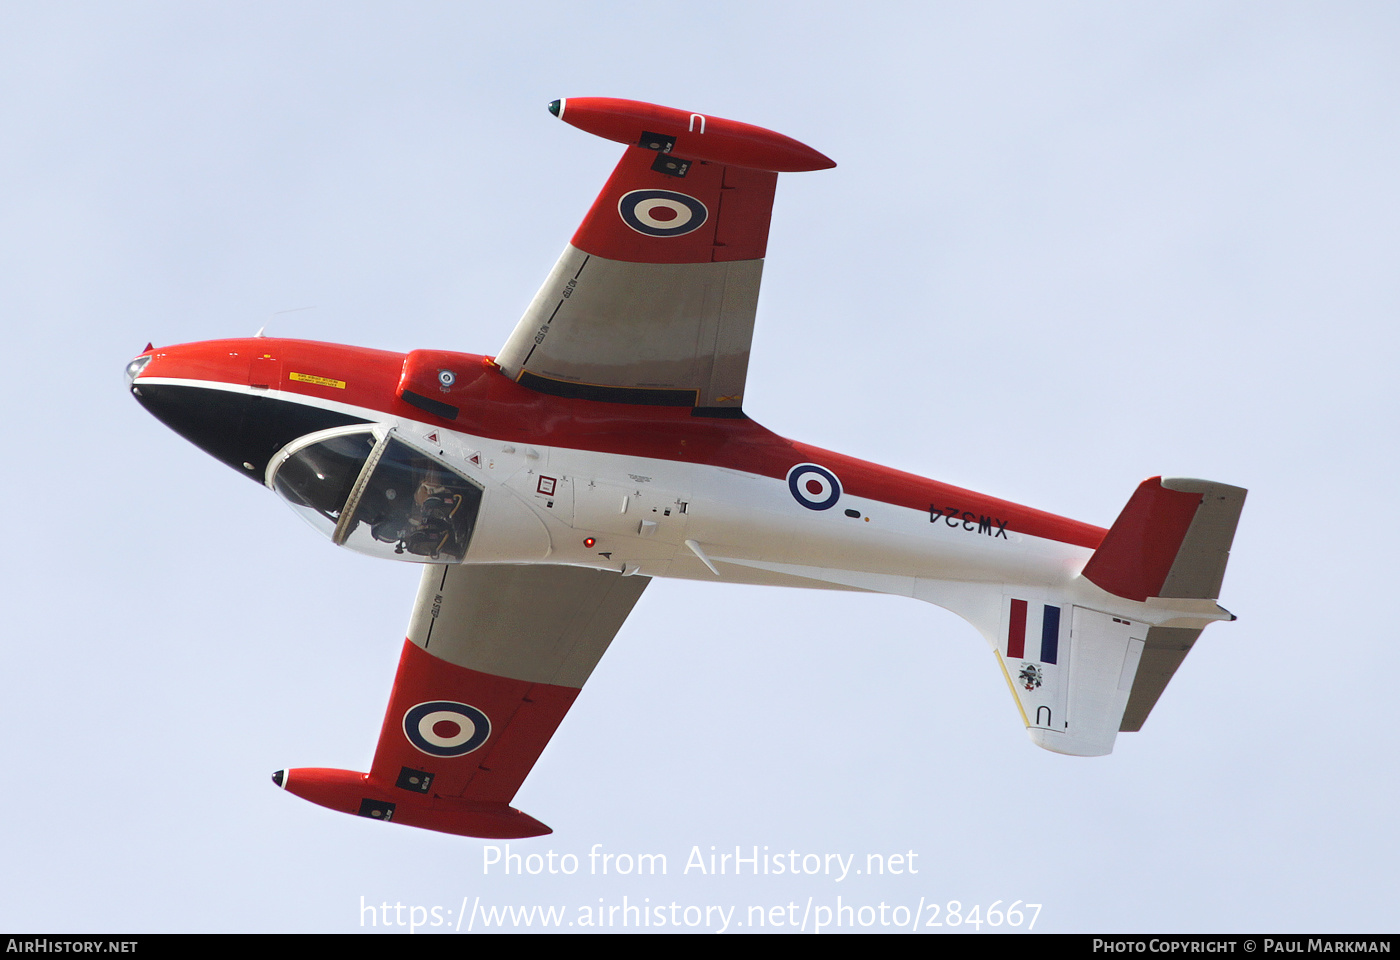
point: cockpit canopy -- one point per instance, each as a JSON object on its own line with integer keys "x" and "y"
{"x": 369, "y": 490}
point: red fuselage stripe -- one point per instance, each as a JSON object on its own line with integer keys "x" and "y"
{"x": 493, "y": 406}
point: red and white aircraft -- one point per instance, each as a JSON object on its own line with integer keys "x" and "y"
{"x": 606, "y": 444}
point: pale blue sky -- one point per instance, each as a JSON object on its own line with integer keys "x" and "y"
{"x": 1066, "y": 247}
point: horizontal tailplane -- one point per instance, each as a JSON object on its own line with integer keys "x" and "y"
{"x": 1082, "y": 668}
{"x": 1171, "y": 540}
{"x": 1164, "y": 651}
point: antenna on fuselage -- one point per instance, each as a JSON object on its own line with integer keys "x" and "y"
{"x": 278, "y": 313}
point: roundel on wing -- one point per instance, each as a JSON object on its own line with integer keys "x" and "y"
{"x": 813, "y": 486}
{"x": 444, "y": 728}
{"x": 661, "y": 213}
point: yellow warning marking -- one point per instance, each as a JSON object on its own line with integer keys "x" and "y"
{"x": 319, "y": 381}
{"x": 1014, "y": 695}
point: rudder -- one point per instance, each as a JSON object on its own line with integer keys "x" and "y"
{"x": 1080, "y": 674}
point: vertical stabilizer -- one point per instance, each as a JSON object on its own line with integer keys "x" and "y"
{"x": 1071, "y": 670}
{"x": 1080, "y": 674}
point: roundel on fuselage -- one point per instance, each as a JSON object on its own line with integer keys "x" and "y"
{"x": 813, "y": 486}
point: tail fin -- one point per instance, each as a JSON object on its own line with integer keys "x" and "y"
{"x": 1082, "y": 674}
{"x": 1183, "y": 529}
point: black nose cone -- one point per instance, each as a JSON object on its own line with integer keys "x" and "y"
{"x": 240, "y": 429}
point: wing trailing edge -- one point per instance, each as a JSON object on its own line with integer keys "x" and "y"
{"x": 494, "y": 659}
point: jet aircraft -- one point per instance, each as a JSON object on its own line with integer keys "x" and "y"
{"x": 606, "y": 444}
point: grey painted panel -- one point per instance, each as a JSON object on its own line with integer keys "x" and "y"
{"x": 1199, "y": 567}
{"x": 1164, "y": 651}
{"x": 641, "y": 325}
{"x": 543, "y": 624}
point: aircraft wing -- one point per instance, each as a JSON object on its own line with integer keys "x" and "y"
{"x": 495, "y": 656}
{"x": 653, "y": 301}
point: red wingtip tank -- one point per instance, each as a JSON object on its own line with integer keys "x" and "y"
{"x": 694, "y": 136}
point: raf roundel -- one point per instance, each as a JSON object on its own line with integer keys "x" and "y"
{"x": 444, "y": 728}
{"x": 661, "y": 213}
{"x": 816, "y": 488}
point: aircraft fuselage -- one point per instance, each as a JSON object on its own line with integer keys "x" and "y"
{"x": 652, "y": 491}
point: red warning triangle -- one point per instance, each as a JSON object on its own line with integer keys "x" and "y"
{"x": 432, "y": 437}
{"x": 476, "y": 459}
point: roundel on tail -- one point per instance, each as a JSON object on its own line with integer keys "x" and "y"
{"x": 444, "y": 728}
{"x": 661, "y": 213}
{"x": 813, "y": 486}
